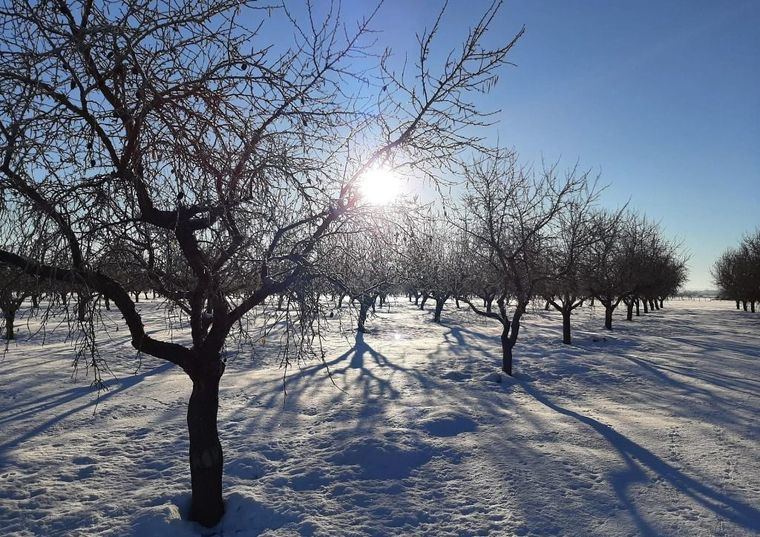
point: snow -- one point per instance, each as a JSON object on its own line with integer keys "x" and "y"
{"x": 649, "y": 430}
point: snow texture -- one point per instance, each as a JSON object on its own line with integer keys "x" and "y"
{"x": 649, "y": 430}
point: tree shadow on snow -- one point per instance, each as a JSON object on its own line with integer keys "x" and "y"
{"x": 51, "y": 401}
{"x": 638, "y": 459}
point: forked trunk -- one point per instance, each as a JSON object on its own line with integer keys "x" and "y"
{"x": 206, "y": 457}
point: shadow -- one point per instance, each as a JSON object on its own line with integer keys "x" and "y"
{"x": 637, "y": 458}
{"x": 112, "y": 387}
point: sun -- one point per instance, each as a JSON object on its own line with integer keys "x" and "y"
{"x": 379, "y": 186}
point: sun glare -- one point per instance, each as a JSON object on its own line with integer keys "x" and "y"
{"x": 379, "y": 186}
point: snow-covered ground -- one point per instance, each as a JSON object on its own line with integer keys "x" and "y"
{"x": 652, "y": 429}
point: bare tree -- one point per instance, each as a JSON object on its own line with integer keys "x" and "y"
{"x": 737, "y": 273}
{"x": 564, "y": 255}
{"x": 138, "y": 122}
{"x": 512, "y": 215}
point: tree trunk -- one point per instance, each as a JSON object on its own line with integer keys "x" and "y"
{"x": 646, "y": 306}
{"x": 651, "y": 305}
{"x": 637, "y": 307}
{"x": 416, "y": 299}
{"x": 752, "y": 306}
{"x": 137, "y": 297}
{"x": 10, "y": 317}
{"x": 456, "y": 301}
{"x": 744, "y": 305}
{"x": 738, "y": 306}
{"x": 608, "y": 316}
{"x": 662, "y": 303}
{"x": 438, "y": 309}
{"x": 489, "y": 304}
{"x": 35, "y": 301}
{"x": 82, "y": 304}
{"x": 422, "y": 304}
{"x": 506, "y": 351}
{"x": 629, "y": 312}
{"x": 206, "y": 457}
{"x": 363, "y": 309}
{"x": 546, "y": 306}
{"x": 566, "y": 337}
{"x": 108, "y": 303}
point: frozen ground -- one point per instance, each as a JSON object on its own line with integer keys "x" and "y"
{"x": 650, "y": 430}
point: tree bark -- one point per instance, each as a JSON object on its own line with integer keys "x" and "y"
{"x": 363, "y": 310}
{"x": 10, "y": 317}
{"x": 638, "y": 312}
{"x": 738, "y": 306}
{"x": 646, "y": 306}
{"x": 662, "y": 303}
{"x": 82, "y": 304}
{"x": 438, "y": 309}
{"x": 608, "y": 316}
{"x": 752, "y": 306}
{"x": 422, "y": 304}
{"x": 566, "y": 337}
{"x": 629, "y": 312}
{"x": 506, "y": 351}
{"x": 206, "y": 457}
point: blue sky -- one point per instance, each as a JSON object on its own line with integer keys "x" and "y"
{"x": 661, "y": 97}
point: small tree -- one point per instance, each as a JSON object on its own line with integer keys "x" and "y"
{"x": 512, "y": 215}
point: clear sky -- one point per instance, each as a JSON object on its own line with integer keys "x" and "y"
{"x": 662, "y": 97}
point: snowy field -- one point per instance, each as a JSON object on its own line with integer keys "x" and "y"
{"x": 652, "y": 429}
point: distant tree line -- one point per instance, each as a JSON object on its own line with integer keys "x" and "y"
{"x": 737, "y": 273}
